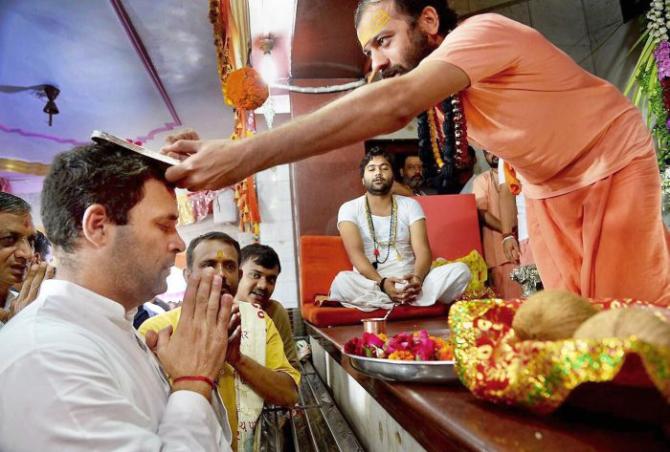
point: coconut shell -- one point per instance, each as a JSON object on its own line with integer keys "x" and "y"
{"x": 602, "y": 325}
{"x": 647, "y": 324}
{"x": 551, "y": 315}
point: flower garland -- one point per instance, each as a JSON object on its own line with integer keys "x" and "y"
{"x": 218, "y": 16}
{"x": 244, "y": 90}
{"x": 434, "y": 145}
{"x": 245, "y": 191}
{"x": 650, "y": 81}
{"x": 444, "y": 150}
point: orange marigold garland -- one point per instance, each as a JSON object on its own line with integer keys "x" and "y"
{"x": 434, "y": 138}
{"x": 218, "y": 15}
{"x": 245, "y": 191}
{"x": 244, "y": 89}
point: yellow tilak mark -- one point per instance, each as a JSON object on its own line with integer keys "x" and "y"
{"x": 376, "y": 24}
{"x": 219, "y": 254}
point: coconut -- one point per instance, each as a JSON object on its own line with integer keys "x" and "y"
{"x": 602, "y": 325}
{"x": 551, "y": 315}
{"x": 647, "y": 324}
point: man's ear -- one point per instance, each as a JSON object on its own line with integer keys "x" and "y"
{"x": 429, "y": 21}
{"x": 95, "y": 225}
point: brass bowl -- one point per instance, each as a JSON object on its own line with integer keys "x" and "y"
{"x": 375, "y": 325}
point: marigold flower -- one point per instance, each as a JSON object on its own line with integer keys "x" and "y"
{"x": 402, "y": 355}
{"x": 245, "y": 89}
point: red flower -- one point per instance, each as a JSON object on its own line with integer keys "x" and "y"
{"x": 354, "y": 346}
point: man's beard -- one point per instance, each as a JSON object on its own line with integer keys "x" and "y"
{"x": 380, "y": 190}
{"x": 419, "y": 49}
{"x": 414, "y": 182}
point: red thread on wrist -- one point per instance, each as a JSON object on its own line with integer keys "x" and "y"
{"x": 202, "y": 378}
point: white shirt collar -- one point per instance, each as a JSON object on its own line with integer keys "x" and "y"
{"x": 57, "y": 291}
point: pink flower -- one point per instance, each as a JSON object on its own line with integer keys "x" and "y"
{"x": 425, "y": 349}
{"x": 372, "y": 339}
{"x": 424, "y": 346}
{"x": 401, "y": 341}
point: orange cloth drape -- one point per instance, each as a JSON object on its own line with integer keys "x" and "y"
{"x": 606, "y": 239}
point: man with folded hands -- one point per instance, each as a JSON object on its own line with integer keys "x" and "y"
{"x": 74, "y": 373}
{"x": 256, "y": 369}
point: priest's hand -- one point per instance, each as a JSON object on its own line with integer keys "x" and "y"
{"x": 208, "y": 164}
{"x": 184, "y": 134}
{"x": 199, "y": 344}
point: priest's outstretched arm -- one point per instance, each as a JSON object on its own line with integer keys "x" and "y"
{"x": 371, "y": 110}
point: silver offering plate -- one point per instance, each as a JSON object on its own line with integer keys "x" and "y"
{"x": 435, "y": 372}
{"x": 99, "y": 136}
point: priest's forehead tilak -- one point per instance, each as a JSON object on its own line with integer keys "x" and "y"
{"x": 369, "y": 28}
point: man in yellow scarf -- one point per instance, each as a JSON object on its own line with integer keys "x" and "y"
{"x": 256, "y": 369}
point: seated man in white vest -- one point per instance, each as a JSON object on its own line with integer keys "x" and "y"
{"x": 386, "y": 240}
{"x": 256, "y": 369}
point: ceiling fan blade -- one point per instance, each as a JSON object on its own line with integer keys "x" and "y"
{"x": 10, "y": 89}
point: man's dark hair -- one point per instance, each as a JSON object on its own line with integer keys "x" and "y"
{"x": 215, "y": 235}
{"x": 103, "y": 174}
{"x": 407, "y": 157}
{"x": 413, "y": 8}
{"x": 372, "y": 153}
{"x": 13, "y": 204}
{"x": 262, "y": 255}
{"x": 42, "y": 245}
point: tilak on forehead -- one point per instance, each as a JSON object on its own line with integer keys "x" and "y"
{"x": 219, "y": 255}
{"x": 371, "y": 27}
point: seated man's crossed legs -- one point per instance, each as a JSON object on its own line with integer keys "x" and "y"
{"x": 445, "y": 284}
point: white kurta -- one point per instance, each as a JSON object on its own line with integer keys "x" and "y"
{"x": 354, "y": 290}
{"x": 75, "y": 376}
